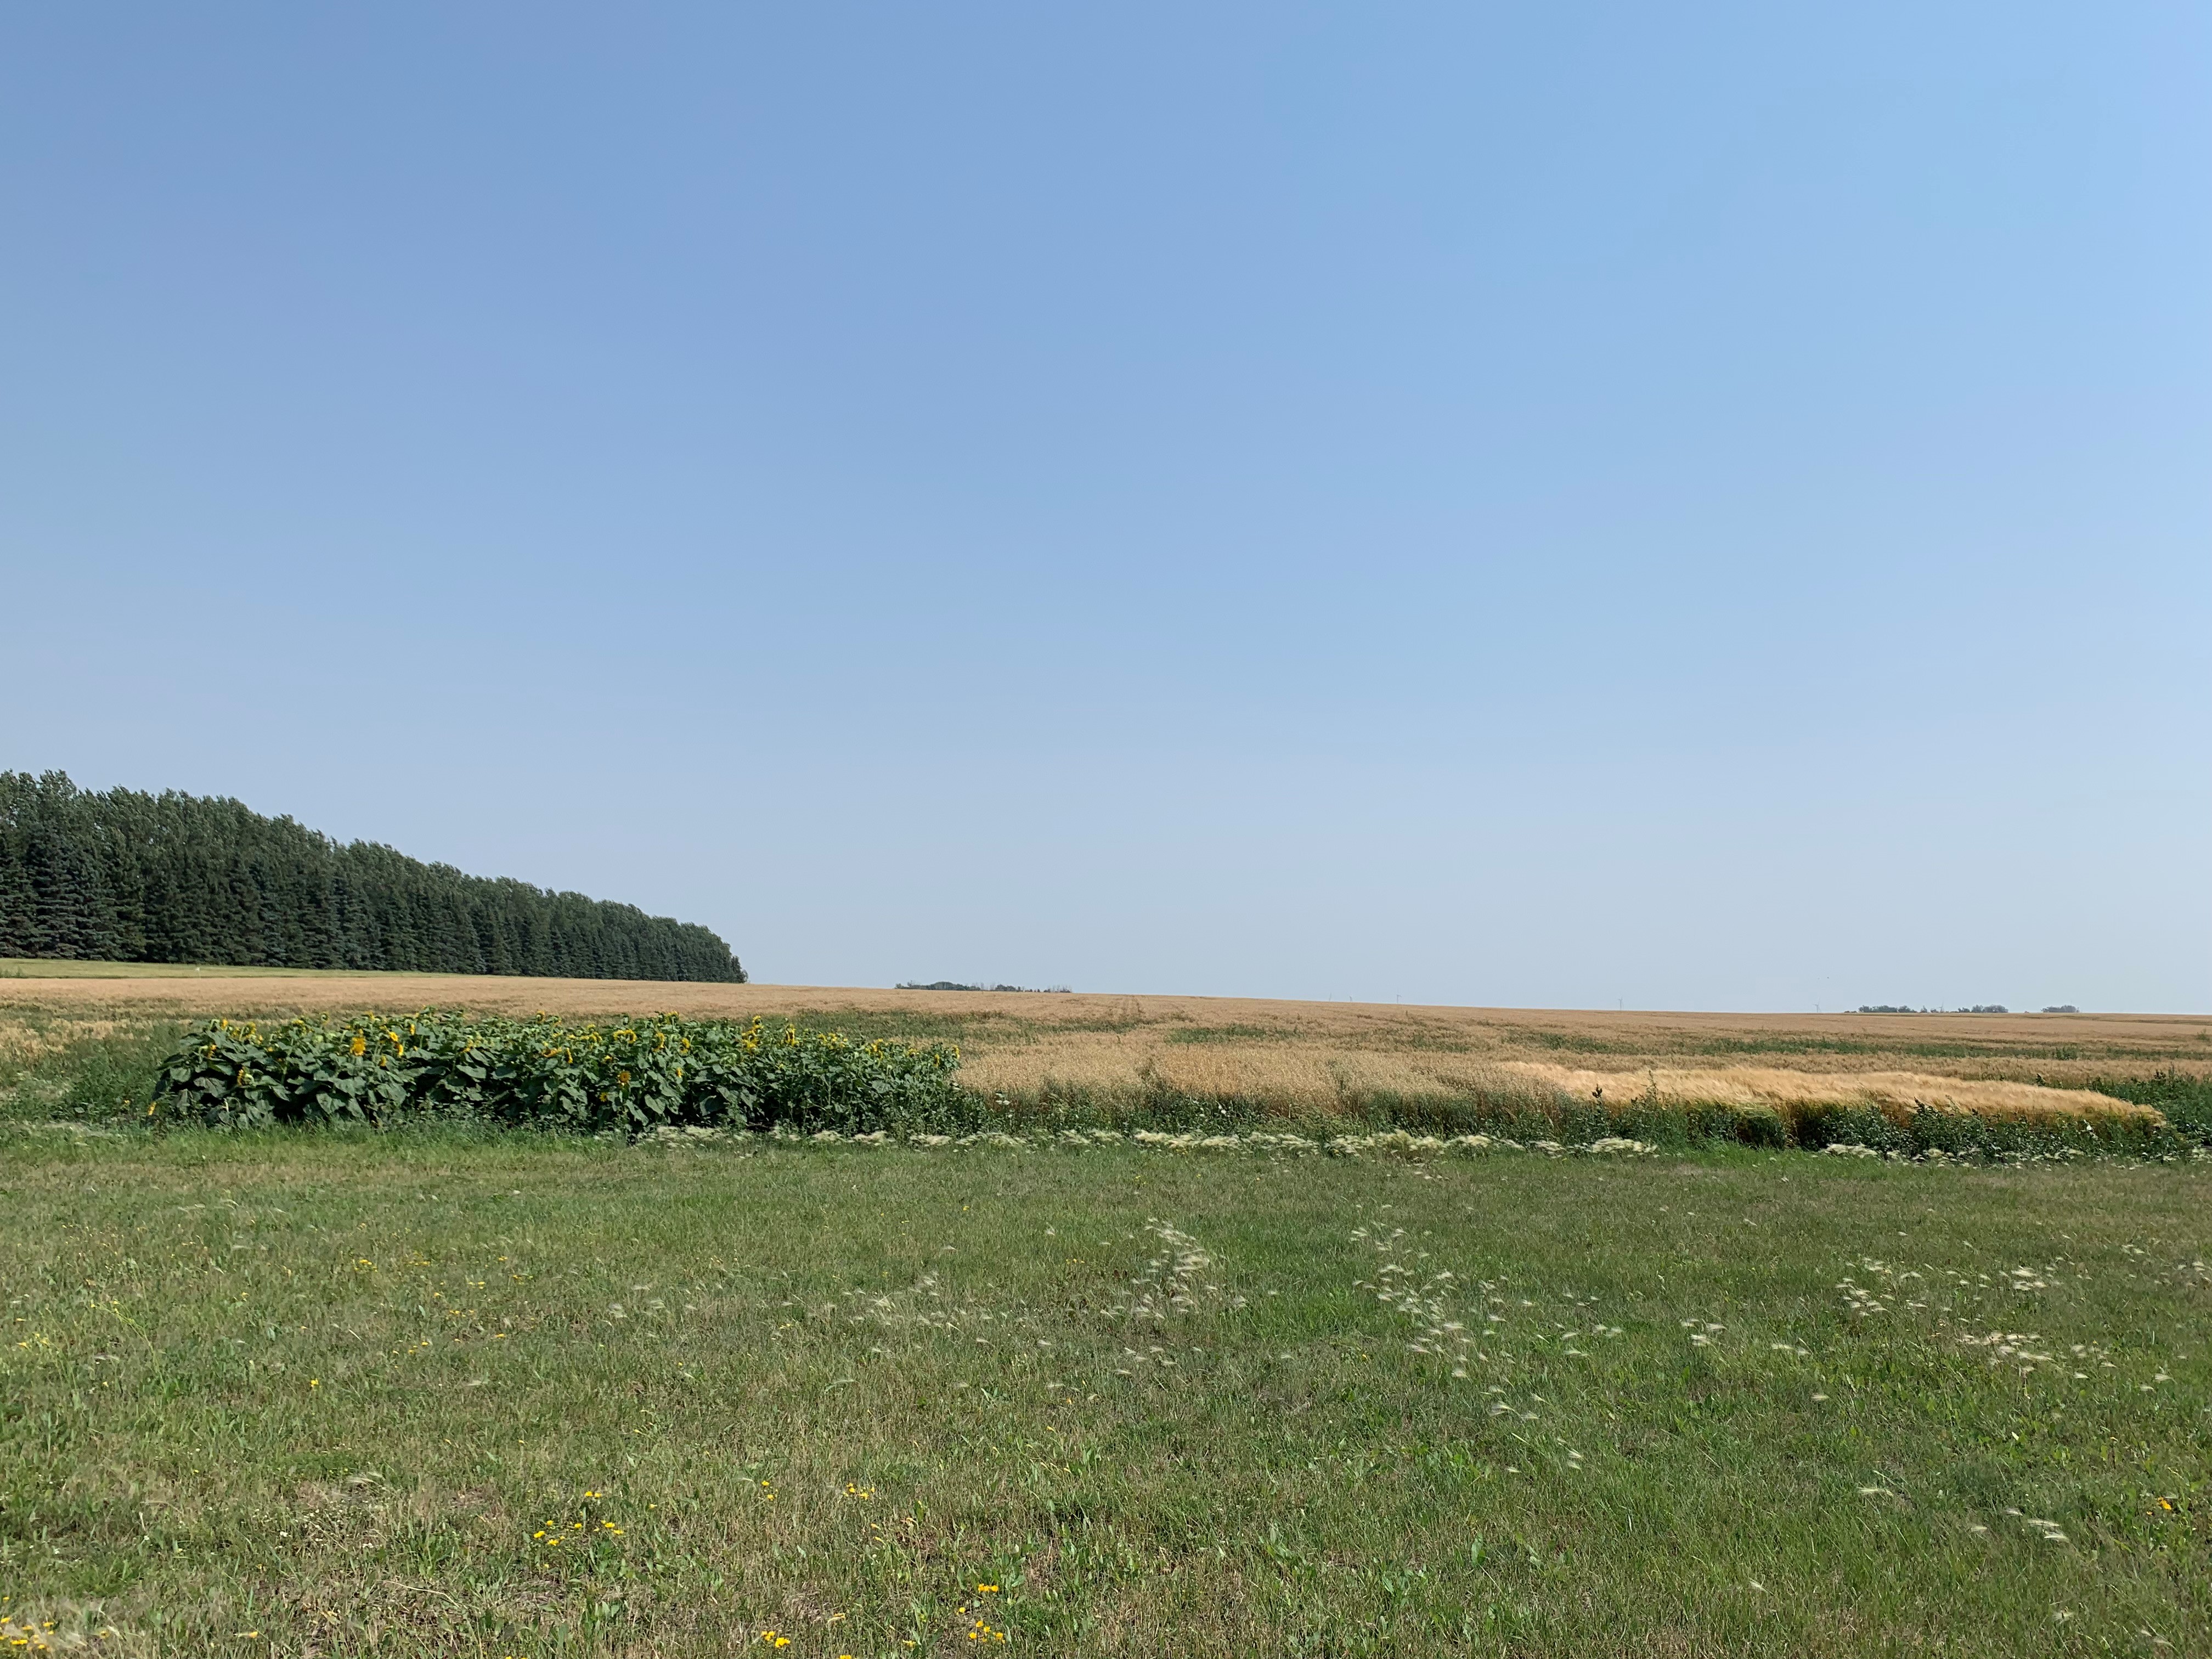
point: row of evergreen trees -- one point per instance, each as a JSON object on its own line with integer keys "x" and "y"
{"x": 128, "y": 876}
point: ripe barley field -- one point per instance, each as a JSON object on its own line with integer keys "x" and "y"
{"x": 425, "y": 1393}
{"x": 1119, "y": 1053}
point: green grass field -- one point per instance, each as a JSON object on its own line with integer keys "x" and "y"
{"x": 52, "y": 968}
{"x": 425, "y": 1394}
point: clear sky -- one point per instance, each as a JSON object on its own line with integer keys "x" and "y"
{"x": 1690, "y": 506}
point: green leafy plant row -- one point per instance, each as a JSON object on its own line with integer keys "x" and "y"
{"x": 548, "y": 1073}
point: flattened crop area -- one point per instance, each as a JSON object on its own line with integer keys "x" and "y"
{"x": 417, "y": 1393}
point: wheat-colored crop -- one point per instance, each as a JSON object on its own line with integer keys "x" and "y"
{"x": 1896, "y": 1095}
{"x": 1291, "y": 1056}
{"x": 1289, "y": 1074}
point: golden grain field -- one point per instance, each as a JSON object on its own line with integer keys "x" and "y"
{"x": 1297, "y": 1056}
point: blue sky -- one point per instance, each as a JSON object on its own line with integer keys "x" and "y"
{"x": 1691, "y": 506}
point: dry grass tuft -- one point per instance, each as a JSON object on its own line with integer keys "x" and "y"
{"x": 26, "y": 1041}
{"x": 70, "y": 1627}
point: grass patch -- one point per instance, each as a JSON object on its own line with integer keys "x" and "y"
{"x": 345, "y": 1390}
{"x": 1224, "y": 1033}
{"x": 84, "y": 1072}
{"x": 48, "y": 968}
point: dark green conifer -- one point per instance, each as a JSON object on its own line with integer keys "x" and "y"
{"x": 126, "y": 876}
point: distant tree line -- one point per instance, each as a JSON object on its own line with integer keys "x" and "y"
{"x": 954, "y": 985}
{"x": 1978, "y": 1008}
{"x": 127, "y": 877}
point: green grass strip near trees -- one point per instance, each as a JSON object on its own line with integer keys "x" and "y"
{"x": 632, "y": 1078}
{"x": 124, "y": 875}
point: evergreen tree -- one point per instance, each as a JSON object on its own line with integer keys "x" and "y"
{"x": 125, "y": 876}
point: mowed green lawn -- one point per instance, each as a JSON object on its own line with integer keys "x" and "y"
{"x": 295, "y": 1394}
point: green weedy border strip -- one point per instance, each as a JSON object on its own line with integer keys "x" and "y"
{"x": 1387, "y": 1143}
{"x": 1533, "y": 1115}
{"x": 665, "y": 1072}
